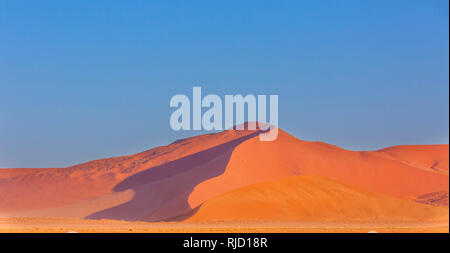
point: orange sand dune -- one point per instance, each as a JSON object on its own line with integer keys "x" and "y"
{"x": 254, "y": 161}
{"x": 160, "y": 176}
{"x": 312, "y": 198}
{"x": 427, "y": 157}
{"x": 168, "y": 182}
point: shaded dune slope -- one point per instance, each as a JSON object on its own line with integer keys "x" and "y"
{"x": 28, "y": 189}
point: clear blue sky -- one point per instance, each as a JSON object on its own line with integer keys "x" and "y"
{"x": 83, "y": 80}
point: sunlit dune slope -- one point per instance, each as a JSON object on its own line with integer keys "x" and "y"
{"x": 428, "y": 157}
{"x": 312, "y": 198}
{"x": 254, "y": 161}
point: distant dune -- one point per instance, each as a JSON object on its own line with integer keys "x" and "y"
{"x": 232, "y": 175}
{"x": 428, "y": 157}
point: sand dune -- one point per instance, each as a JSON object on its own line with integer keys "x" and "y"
{"x": 254, "y": 161}
{"x": 428, "y": 157}
{"x": 157, "y": 181}
{"x": 313, "y": 199}
{"x": 34, "y": 189}
{"x": 168, "y": 183}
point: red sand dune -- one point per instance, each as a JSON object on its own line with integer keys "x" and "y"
{"x": 427, "y": 157}
{"x": 156, "y": 178}
{"x": 168, "y": 182}
{"x": 254, "y": 161}
{"x": 312, "y": 199}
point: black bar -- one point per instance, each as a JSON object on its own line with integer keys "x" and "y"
{"x": 164, "y": 241}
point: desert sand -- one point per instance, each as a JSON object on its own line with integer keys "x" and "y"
{"x": 67, "y": 225}
{"x": 231, "y": 181}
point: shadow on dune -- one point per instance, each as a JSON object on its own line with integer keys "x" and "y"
{"x": 162, "y": 192}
